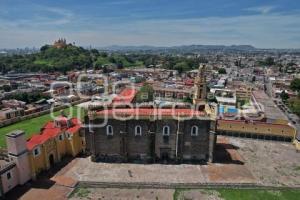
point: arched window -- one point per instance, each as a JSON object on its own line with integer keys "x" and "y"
{"x": 194, "y": 131}
{"x": 138, "y": 131}
{"x": 166, "y": 131}
{"x": 91, "y": 128}
{"x": 109, "y": 130}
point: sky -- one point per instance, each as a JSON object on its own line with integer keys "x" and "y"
{"x": 99, "y": 23}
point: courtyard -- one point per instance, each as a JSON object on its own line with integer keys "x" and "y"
{"x": 238, "y": 161}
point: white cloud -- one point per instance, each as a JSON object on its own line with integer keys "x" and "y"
{"x": 41, "y": 17}
{"x": 261, "y": 30}
{"x": 261, "y": 9}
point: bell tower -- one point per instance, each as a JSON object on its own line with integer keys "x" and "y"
{"x": 17, "y": 152}
{"x": 199, "y": 96}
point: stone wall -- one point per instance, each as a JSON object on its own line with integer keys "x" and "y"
{"x": 151, "y": 145}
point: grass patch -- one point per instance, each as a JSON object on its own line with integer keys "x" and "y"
{"x": 297, "y": 168}
{"x": 250, "y": 194}
{"x": 80, "y": 192}
{"x": 33, "y": 126}
{"x": 256, "y": 194}
{"x": 177, "y": 193}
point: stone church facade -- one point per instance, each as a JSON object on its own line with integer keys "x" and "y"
{"x": 145, "y": 139}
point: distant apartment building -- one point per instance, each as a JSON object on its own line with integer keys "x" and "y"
{"x": 10, "y": 113}
{"x": 243, "y": 89}
{"x": 13, "y": 103}
{"x": 165, "y": 93}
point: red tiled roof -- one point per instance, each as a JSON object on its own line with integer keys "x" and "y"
{"x": 50, "y": 131}
{"x": 150, "y": 112}
{"x": 189, "y": 82}
{"x": 76, "y": 126}
{"x": 126, "y": 96}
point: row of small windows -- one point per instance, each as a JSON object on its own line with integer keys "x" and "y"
{"x": 138, "y": 130}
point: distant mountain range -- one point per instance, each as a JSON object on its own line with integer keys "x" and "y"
{"x": 183, "y": 49}
{"x": 192, "y": 49}
{"x": 180, "y": 48}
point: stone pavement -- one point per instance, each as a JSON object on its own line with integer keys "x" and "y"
{"x": 229, "y": 168}
{"x": 49, "y": 186}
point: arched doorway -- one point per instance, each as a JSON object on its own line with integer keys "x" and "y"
{"x": 165, "y": 156}
{"x": 51, "y": 160}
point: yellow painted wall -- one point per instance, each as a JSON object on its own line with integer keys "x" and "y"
{"x": 76, "y": 144}
{"x": 257, "y": 128}
{"x": 37, "y": 163}
{"x": 281, "y": 121}
{"x": 62, "y": 146}
{"x": 58, "y": 148}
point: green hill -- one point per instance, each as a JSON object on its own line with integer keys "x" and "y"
{"x": 70, "y": 57}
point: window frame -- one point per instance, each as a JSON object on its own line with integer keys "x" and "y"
{"x": 168, "y": 130}
{"x": 38, "y": 149}
{"x": 68, "y": 135}
{"x": 196, "y": 128}
{"x": 8, "y": 175}
{"x": 136, "y": 132}
{"x": 108, "y": 132}
{"x": 61, "y": 137}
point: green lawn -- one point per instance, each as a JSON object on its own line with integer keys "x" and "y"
{"x": 251, "y": 194}
{"x": 259, "y": 194}
{"x": 32, "y": 126}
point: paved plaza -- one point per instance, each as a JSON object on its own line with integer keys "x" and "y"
{"x": 237, "y": 161}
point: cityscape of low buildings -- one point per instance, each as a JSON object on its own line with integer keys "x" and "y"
{"x": 145, "y": 114}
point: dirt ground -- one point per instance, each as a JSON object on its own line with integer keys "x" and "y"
{"x": 84, "y": 170}
{"x": 122, "y": 194}
{"x": 271, "y": 163}
{"x": 149, "y": 194}
{"x": 228, "y": 168}
{"x": 198, "y": 195}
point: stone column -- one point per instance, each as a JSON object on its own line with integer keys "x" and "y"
{"x": 211, "y": 147}
{"x": 91, "y": 131}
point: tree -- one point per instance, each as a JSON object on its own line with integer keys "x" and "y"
{"x": 103, "y": 54}
{"x": 294, "y": 104}
{"x": 181, "y": 67}
{"x": 269, "y": 61}
{"x": 6, "y": 88}
{"x": 95, "y": 52}
{"x": 222, "y": 71}
{"x": 295, "y": 85}
{"x": 188, "y": 100}
{"x": 104, "y": 70}
{"x": 45, "y": 47}
{"x": 146, "y": 94}
{"x": 284, "y": 96}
